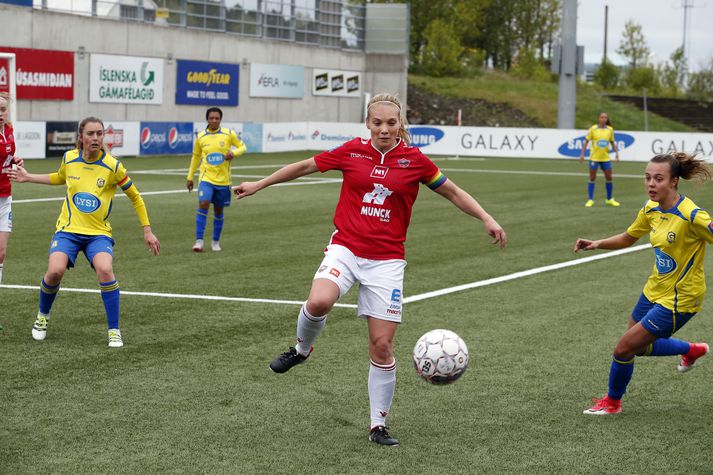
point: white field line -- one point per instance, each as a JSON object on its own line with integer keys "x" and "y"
{"x": 414, "y": 298}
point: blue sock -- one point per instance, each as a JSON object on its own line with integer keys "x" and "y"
{"x": 590, "y": 190}
{"x": 110, "y": 297}
{"x": 47, "y": 296}
{"x": 217, "y": 226}
{"x": 667, "y": 347}
{"x": 610, "y": 189}
{"x": 619, "y": 377}
{"x": 201, "y": 219}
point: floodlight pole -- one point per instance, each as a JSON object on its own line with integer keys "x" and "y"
{"x": 567, "y": 93}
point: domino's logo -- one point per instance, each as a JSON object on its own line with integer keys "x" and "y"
{"x": 214, "y": 158}
{"x": 315, "y": 134}
{"x": 86, "y": 202}
{"x": 425, "y": 136}
{"x": 573, "y": 147}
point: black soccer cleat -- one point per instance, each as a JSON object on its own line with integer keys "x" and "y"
{"x": 380, "y": 435}
{"x": 287, "y": 360}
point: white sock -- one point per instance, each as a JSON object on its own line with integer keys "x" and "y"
{"x": 382, "y": 384}
{"x": 0, "y": 273}
{"x": 308, "y": 329}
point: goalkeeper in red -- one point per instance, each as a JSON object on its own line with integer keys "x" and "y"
{"x": 382, "y": 177}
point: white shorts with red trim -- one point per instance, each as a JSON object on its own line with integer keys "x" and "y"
{"x": 381, "y": 282}
{"x": 6, "y": 214}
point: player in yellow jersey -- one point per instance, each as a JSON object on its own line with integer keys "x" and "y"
{"x": 679, "y": 231}
{"x": 601, "y": 135}
{"x": 214, "y": 152}
{"x": 91, "y": 175}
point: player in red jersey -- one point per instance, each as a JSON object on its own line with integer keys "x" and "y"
{"x": 381, "y": 181}
{"x": 7, "y": 161}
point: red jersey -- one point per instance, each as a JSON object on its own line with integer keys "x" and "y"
{"x": 378, "y": 191}
{"x": 7, "y": 152}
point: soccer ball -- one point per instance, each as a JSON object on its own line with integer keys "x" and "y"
{"x": 440, "y": 357}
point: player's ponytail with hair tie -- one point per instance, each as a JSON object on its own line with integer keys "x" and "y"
{"x": 685, "y": 165}
{"x": 393, "y": 100}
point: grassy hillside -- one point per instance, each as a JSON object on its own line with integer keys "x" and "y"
{"x": 539, "y": 101}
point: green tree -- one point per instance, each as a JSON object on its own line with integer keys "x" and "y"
{"x": 641, "y": 78}
{"x": 607, "y": 76}
{"x": 633, "y": 45}
{"x": 700, "y": 83}
{"x": 441, "y": 55}
{"x": 672, "y": 73}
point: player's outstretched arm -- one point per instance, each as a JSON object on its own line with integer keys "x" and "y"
{"x": 20, "y": 175}
{"x": 286, "y": 173}
{"x": 466, "y": 203}
{"x": 151, "y": 241}
{"x": 619, "y": 241}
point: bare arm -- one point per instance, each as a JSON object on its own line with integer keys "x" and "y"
{"x": 20, "y": 175}
{"x": 286, "y": 173}
{"x": 616, "y": 152}
{"x": 466, "y": 203}
{"x": 619, "y": 241}
{"x": 584, "y": 149}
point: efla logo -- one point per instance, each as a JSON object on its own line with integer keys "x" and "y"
{"x": 424, "y": 136}
{"x": 573, "y": 148}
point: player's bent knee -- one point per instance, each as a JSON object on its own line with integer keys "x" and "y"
{"x": 381, "y": 351}
{"x": 319, "y": 306}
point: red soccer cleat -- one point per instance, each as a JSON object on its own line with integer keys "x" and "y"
{"x": 697, "y": 350}
{"x": 604, "y": 407}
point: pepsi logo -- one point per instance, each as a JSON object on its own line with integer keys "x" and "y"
{"x": 173, "y": 137}
{"x": 145, "y": 137}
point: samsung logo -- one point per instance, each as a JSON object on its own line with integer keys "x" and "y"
{"x": 573, "y": 148}
{"x": 424, "y": 136}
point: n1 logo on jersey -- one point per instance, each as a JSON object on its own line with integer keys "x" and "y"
{"x": 379, "y": 172}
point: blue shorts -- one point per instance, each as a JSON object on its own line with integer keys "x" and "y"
{"x": 218, "y": 195}
{"x": 70, "y": 244}
{"x": 604, "y": 165}
{"x": 658, "y": 320}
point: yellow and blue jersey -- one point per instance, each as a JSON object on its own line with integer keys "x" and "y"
{"x": 678, "y": 236}
{"x": 600, "y": 139}
{"x": 210, "y": 150}
{"x": 91, "y": 185}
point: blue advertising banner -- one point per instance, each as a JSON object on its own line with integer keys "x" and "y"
{"x": 22, "y": 3}
{"x": 158, "y": 138}
{"x": 207, "y": 83}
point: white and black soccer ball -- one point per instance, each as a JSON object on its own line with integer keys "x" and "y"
{"x": 440, "y": 357}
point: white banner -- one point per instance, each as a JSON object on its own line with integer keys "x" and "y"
{"x": 30, "y": 139}
{"x": 122, "y": 138}
{"x": 277, "y": 80}
{"x": 329, "y": 82}
{"x": 284, "y": 136}
{"x": 550, "y": 143}
{"x": 328, "y": 135}
{"x": 125, "y": 79}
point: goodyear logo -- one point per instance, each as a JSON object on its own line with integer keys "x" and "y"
{"x": 86, "y": 202}
{"x": 424, "y": 136}
{"x": 215, "y": 158}
{"x": 573, "y": 148}
{"x": 208, "y": 77}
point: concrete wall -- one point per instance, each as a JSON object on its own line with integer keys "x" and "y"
{"x": 30, "y": 28}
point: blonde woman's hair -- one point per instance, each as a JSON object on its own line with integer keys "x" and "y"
{"x": 82, "y": 124}
{"x": 8, "y": 99}
{"x": 685, "y": 165}
{"x": 392, "y": 99}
